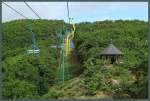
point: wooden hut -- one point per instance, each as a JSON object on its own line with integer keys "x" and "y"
{"x": 111, "y": 53}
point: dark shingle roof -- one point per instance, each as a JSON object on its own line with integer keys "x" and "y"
{"x": 111, "y": 50}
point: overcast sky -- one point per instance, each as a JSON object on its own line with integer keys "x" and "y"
{"x": 80, "y": 11}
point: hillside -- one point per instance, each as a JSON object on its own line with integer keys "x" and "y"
{"x": 35, "y": 76}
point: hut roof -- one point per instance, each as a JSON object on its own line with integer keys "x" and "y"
{"x": 111, "y": 50}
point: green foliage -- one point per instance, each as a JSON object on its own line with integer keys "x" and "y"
{"x": 38, "y": 70}
{"x": 33, "y": 76}
{"x": 130, "y": 37}
{"x": 19, "y": 89}
{"x": 53, "y": 94}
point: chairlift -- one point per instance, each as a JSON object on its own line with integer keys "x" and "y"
{"x": 33, "y": 50}
{"x": 55, "y": 46}
{"x": 71, "y": 44}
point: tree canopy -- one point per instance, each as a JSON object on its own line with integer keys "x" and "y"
{"x": 35, "y": 76}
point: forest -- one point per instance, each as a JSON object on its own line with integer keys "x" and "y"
{"x": 34, "y": 76}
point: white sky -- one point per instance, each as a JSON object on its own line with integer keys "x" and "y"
{"x": 80, "y": 11}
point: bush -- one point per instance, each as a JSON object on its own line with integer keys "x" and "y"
{"x": 19, "y": 89}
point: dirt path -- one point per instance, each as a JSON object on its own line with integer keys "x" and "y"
{"x": 76, "y": 65}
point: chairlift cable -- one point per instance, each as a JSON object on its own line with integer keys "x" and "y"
{"x": 68, "y": 11}
{"x": 16, "y": 11}
{"x": 32, "y": 10}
